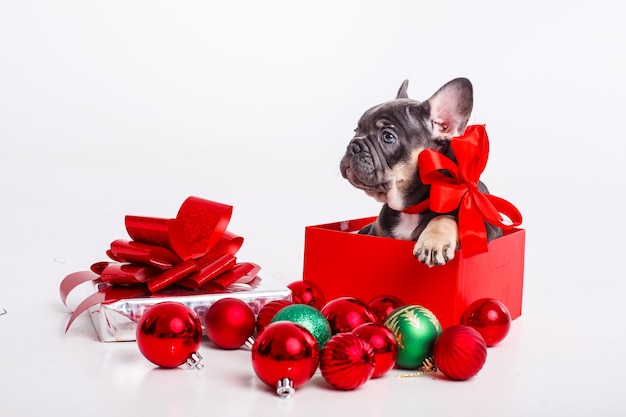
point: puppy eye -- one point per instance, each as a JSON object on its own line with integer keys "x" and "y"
{"x": 389, "y": 137}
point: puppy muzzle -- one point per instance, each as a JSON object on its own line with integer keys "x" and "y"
{"x": 363, "y": 166}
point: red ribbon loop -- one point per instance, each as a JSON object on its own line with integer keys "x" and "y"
{"x": 193, "y": 250}
{"x": 455, "y": 186}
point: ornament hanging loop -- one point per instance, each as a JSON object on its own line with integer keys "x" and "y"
{"x": 194, "y": 361}
{"x": 284, "y": 388}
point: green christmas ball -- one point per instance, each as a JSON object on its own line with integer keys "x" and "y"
{"x": 310, "y": 318}
{"x": 415, "y": 329}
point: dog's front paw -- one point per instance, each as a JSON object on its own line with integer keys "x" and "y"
{"x": 437, "y": 243}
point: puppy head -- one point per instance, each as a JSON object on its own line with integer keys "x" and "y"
{"x": 381, "y": 158}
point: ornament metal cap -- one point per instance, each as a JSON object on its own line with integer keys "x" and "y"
{"x": 194, "y": 361}
{"x": 249, "y": 342}
{"x": 284, "y": 388}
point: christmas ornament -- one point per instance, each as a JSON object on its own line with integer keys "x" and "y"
{"x": 459, "y": 352}
{"x": 347, "y": 361}
{"x": 169, "y": 334}
{"x": 285, "y": 356}
{"x": 415, "y": 329}
{"x": 307, "y": 293}
{"x": 344, "y": 314}
{"x": 268, "y": 311}
{"x": 229, "y": 323}
{"x": 490, "y": 317}
{"x": 383, "y": 305}
{"x": 384, "y": 344}
{"x": 309, "y": 317}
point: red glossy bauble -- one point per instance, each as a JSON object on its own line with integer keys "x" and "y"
{"x": 307, "y": 293}
{"x": 268, "y": 311}
{"x": 285, "y": 350}
{"x": 383, "y": 305}
{"x": 490, "y": 317}
{"x": 229, "y": 322}
{"x": 459, "y": 352}
{"x": 384, "y": 344}
{"x": 347, "y": 361}
{"x": 344, "y": 314}
{"x": 169, "y": 335}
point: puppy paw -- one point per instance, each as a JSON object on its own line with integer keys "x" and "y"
{"x": 438, "y": 242}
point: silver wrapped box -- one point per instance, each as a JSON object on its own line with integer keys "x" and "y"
{"x": 117, "y": 321}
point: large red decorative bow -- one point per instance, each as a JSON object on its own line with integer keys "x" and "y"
{"x": 194, "y": 250}
{"x": 455, "y": 186}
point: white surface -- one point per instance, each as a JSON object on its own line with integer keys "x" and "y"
{"x": 114, "y": 108}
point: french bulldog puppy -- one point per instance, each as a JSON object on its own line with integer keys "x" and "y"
{"x": 381, "y": 159}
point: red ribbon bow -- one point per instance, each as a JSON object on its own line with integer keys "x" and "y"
{"x": 194, "y": 250}
{"x": 455, "y": 186}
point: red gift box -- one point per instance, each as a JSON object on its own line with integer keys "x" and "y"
{"x": 344, "y": 263}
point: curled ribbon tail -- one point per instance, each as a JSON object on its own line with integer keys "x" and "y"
{"x": 73, "y": 280}
{"x": 508, "y": 209}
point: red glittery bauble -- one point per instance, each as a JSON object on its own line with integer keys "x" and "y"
{"x": 268, "y": 311}
{"x": 459, "y": 352}
{"x": 383, "y": 305}
{"x": 285, "y": 350}
{"x": 169, "y": 334}
{"x": 490, "y": 318}
{"x": 384, "y": 344}
{"x": 347, "y": 361}
{"x": 307, "y": 293}
{"x": 344, "y": 314}
{"x": 229, "y": 322}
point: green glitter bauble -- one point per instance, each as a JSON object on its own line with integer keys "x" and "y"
{"x": 308, "y": 317}
{"x": 415, "y": 329}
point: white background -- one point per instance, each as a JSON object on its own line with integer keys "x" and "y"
{"x": 128, "y": 107}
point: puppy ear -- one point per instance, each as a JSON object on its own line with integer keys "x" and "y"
{"x": 450, "y": 108}
{"x": 402, "y": 92}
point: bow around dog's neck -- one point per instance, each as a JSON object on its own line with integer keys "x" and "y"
{"x": 423, "y": 203}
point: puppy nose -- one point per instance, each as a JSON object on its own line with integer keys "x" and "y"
{"x": 355, "y": 147}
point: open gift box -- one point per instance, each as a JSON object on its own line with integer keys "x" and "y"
{"x": 344, "y": 263}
